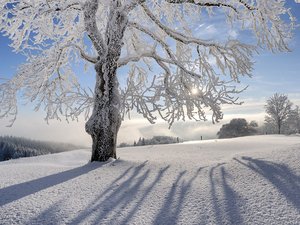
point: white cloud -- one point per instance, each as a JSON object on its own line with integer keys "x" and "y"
{"x": 233, "y": 34}
{"x": 211, "y": 29}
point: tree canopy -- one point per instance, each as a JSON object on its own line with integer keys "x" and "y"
{"x": 278, "y": 109}
{"x": 238, "y": 127}
{"x": 55, "y": 34}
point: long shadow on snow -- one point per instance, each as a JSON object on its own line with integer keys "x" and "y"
{"x": 112, "y": 201}
{"x": 115, "y": 199}
{"x": 48, "y": 216}
{"x": 281, "y": 177}
{"x": 170, "y": 211}
{"x": 224, "y": 198}
{"x": 53, "y": 213}
{"x": 18, "y": 191}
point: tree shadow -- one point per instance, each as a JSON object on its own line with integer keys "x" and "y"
{"x": 52, "y": 213}
{"x": 15, "y": 192}
{"x": 171, "y": 208}
{"x": 232, "y": 200}
{"x": 146, "y": 193}
{"x": 279, "y": 175}
{"x": 48, "y": 216}
{"x": 225, "y": 200}
{"x": 127, "y": 193}
{"x": 213, "y": 193}
{"x": 114, "y": 200}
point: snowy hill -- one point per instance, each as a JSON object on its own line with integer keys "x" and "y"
{"x": 249, "y": 180}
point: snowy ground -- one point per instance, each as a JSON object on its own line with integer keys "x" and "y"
{"x": 250, "y": 180}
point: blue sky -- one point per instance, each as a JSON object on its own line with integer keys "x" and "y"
{"x": 272, "y": 73}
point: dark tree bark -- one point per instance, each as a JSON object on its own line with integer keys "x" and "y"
{"x": 104, "y": 124}
{"x": 105, "y": 121}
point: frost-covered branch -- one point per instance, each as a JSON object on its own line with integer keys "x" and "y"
{"x": 146, "y": 54}
{"x": 8, "y": 99}
{"x": 90, "y": 22}
{"x": 174, "y": 98}
{"x": 84, "y": 55}
{"x": 55, "y": 8}
{"x": 234, "y": 56}
{"x": 176, "y": 35}
{"x": 203, "y": 4}
{"x": 214, "y": 4}
{"x": 49, "y": 82}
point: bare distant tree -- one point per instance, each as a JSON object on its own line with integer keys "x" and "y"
{"x": 140, "y": 34}
{"x": 278, "y": 109}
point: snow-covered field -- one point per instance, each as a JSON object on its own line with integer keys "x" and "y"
{"x": 250, "y": 180}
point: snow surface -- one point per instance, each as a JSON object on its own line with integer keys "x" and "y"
{"x": 249, "y": 180}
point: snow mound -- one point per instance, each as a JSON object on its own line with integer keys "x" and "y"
{"x": 249, "y": 180}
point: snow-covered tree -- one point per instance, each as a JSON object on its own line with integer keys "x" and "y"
{"x": 293, "y": 121}
{"x": 278, "y": 108}
{"x": 237, "y": 127}
{"x": 188, "y": 70}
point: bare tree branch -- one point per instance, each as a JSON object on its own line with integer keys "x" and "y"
{"x": 90, "y": 10}
{"x": 213, "y": 4}
{"x": 176, "y": 35}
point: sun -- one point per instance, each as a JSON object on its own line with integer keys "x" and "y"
{"x": 194, "y": 91}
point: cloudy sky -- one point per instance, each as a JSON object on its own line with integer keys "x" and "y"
{"x": 272, "y": 73}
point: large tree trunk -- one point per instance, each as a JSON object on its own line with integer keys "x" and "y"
{"x": 279, "y": 126}
{"x": 105, "y": 121}
{"x": 104, "y": 124}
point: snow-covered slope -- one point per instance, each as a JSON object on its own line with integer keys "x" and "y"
{"x": 250, "y": 180}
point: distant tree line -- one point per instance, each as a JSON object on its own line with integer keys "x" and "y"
{"x": 156, "y": 140}
{"x": 282, "y": 118}
{"x": 16, "y": 147}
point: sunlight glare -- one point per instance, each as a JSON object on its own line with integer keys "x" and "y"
{"x": 194, "y": 91}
